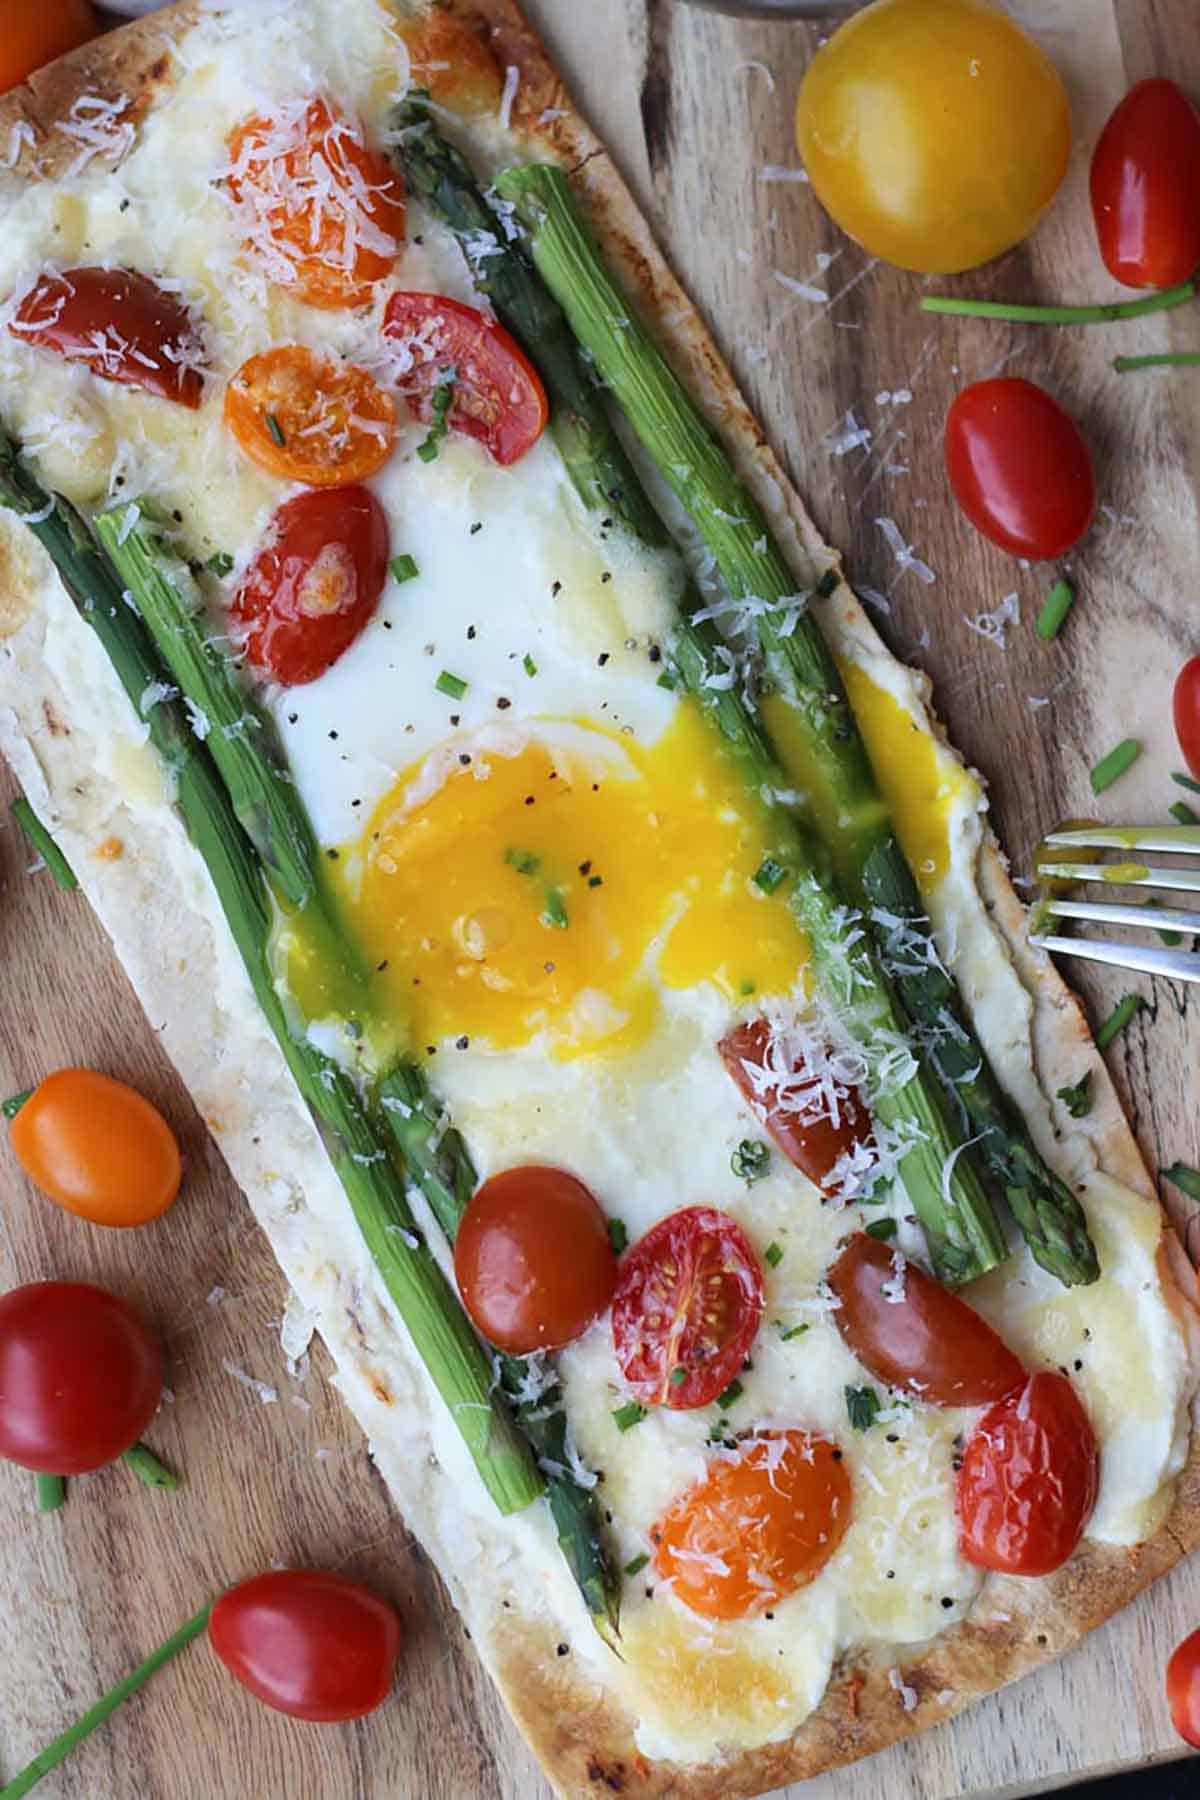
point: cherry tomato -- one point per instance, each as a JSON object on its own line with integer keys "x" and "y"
{"x": 1146, "y": 187}
{"x": 1183, "y": 1690}
{"x": 315, "y": 1646}
{"x": 533, "y": 1259}
{"x": 80, "y": 1377}
{"x": 121, "y": 324}
{"x": 305, "y": 419}
{"x": 934, "y": 131}
{"x": 1187, "y": 713}
{"x": 1028, "y": 1480}
{"x": 315, "y": 584}
{"x": 31, "y": 36}
{"x": 911, "y": 1332}
{"x": 324, "y": 213}
{"x": 762, "y": 1523}
{"x": 689, "y": 1301}
{"x": 782, "y": 1100}
{"x": 452, "y": 62}
{"x": 498, "y": 395}
{"x": 1019, "y": 467}
{"x": 98, "y": 1148}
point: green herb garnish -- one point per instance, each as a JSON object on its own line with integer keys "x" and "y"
{"x": 1078, "y": 1099}
{"x": 667, "y": 680}
{"x": 1183, "y": 814}
{"x": 862, "y": 1407}
{"x": 750, "y": 1161}
{"x": 1118, "y": 1019}
{"x": 1052, "y": 617}
{"x": 882, "y": 1229}
{"x": 773, "y": 1255}
{"x": 554, "y": 913}
{"x": 443, "y": 399}
{"x": 629, "y": 1415}
{"x": 678, "y": 1377}
{"x": 769, "y": 875}
{"x": 788, "y": 1332}
{"x": 453, "y": 686}
{"x": 618, "y": 1236}
{"x": 276, "y": 430}
{"x": 528, "y": 664}
{"x": 636, "y": 1564}
{"x": 1185, "y": 781}
{"x": 403, "y": 568}
{"x": 523, "y": 861}
{"x": 221, "y": 564}
{"x": 1186, "y": 1179}
{"x": 1111, "y": 767}
{"x": 733, "y": 1392}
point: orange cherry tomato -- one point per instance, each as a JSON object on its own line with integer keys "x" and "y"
{"x": 122, "y": 325}
{"x": 1183, "y": 1690}
{"x": 452, "y": 63}
{"x": 323, "y": 212}
{"x": 911, "y": 1332}
{"x": 1029, "y": 1478}
{"x": 97, "y": 1148}
{"x": 305, "y": 419}
{"x": 794, "y": 1111}
{"x": 533, "y": 1259}
{"x": 498, "y": 396}
{"x": 762, "y": 1523}
{"x": 31, "y": 36}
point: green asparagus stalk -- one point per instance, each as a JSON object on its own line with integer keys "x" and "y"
{"x": 435, "y": 1154}
{"x": 800, "y": 666}
{"x": 354, "y": 1132}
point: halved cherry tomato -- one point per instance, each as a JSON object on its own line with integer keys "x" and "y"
{"x": 31, "y": 36}
{"x": 1019, "y": 467}
{"x": 315, "y": 1646}
{"x": 80, "y": 1377}
{"x": 1183, "y": 1690}
{"x": 452, "y": 63}
{"x": 533, "y": 1259}
{"x": 325, "y": 214}
{"x": 815, "y": 1144}
{"x": 762, "y": 1523}
{"x": 498, "y": 395}
{"x": 911, "y": 1332}
{"x": 1028, "y": 1482}
{"x": 1187, "y": 713}
{"x": 121, "y": 324}
{"x": 689, "y": 1301}
{"x": 314, "y": 586}
{"x": 98, "y": 1148}
{"x": 1146, "y": 187}
{"x": 305, "y": 419}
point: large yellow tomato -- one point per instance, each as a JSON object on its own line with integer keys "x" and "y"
{"x": 934, "y": 131}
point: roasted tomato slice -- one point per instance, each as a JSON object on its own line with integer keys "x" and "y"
{"x": 1145, "y": 185}
{"x": 1028, "y": 1482}
{"x": 315, "y": 1646}
{"x": 689, "y": 1301}
{"x": 533, "y": 1259}
{"x": 451, "y": 61}
{"x": 305, "y": 419}
{"x": 315, "y": 583}
{"x": 913, "y": 1333}
{"x": 324, "y": 214}
{"x": 498, "y": 395}
{"x": 121, "y": 324}
{"x": 814, "y": 1122}
{"x": 1183, "y": 1690}
{"x": 763, "y": 1522}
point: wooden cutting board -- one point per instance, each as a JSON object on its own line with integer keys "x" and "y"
{"x": 696, "y": 109}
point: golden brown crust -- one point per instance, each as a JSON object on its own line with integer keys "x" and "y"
{"x": 583, "y": 1738}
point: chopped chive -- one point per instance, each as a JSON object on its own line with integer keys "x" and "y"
{"x": 788, "y": 1332}
{"x": 828, "y": 584}
{"x": 147, "y": 1467}
{"x": 668, "y": 681}
{"x": 1052, "y": 617}
{"x": 528, "y": 664}
{"x": 618, "y": 1236}
{"x": 750, "y": 1161}
{"x": 1183, "y": 814}
{"x": 443, "y": 399}
{"x": 554, "y": 913}
{"x": 221, "y": 564}
{"x": 51, "y": 1493}
{"x": 733, "y": 1392}
{"x": 747, "y": 988}
{"x": 44, "y": 845}
{"x": 1061, "y": 315}
{"x": 276, "y": 430}
{"x": 12, "y": 1106}
{"x": 678, "y": 1377}
{"x": 882, "y": 1229}
{"x": 769, "y": 874}
{"x": 452, "y": 685}
{"x": 1111, "y": 767}
{"x": 1186, "y": 1179}
{"x": 1185, "y": 781}
{"x": 1118, "y": 1019}
{"x": 1172, "y": 939}
{"x": 1175, "y": 358}
{"x": 1078, "y": 1099}
{"x": 862, "y": 1407}
{"x": 629, "y": 1415}
{"x": 773, "y": 1255}
{"x": 404, "y": 567}
{"x": 523, "y": 861}
{"x": 637, "y": 1564}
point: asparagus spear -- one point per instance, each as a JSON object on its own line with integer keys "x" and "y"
{"x": 799, "y": 664}
{"x": 436, "y": 1156}
{"x": 354, "y": 1133}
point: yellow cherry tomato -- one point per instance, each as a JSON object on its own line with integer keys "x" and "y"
{"x": 97, "y": 1148}
{"x": 935, "y": 132}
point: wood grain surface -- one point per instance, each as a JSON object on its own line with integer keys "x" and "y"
{"x": 695, "y": 108}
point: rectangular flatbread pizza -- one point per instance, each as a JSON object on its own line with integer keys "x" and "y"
{"x": 590, "y": 957}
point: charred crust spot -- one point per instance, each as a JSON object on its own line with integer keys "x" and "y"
{"x": 382, "y": 1392}
{"x": 54, "y": 725}
{"x": 612, "y": 1776}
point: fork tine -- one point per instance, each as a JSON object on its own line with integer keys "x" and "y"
{"x": 1125, "y": 875}
{"x": 1182, "y": 965}
{"x": 1179, "y": 840}
{"x": 1105, "y": 912}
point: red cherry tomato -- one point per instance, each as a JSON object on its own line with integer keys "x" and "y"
{"x": 1028, "y": 1480}
{"x": 533, "y": 1260}
{"x": 316, "y": 1646}
{"x": 498, "y": 395}
{"x": 315, "y": 584}
{"x": 911, "y": 1332}
{"x": 121, "y": 324}
{"x": 1146, "y": 187}
{"x": 815, "y": 1144}
{"x": 80, "y": 1377}
{"x": 1019, "y": 468}
{"x": 1183, "y": 1690}
{"x": 689, "y": 1301}
{"x": 1187, "y": 713}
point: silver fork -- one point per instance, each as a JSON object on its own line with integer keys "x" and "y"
{"x": 1127, "y": 872}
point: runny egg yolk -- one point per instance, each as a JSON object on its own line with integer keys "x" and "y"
{"x": 553, "y": 886}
